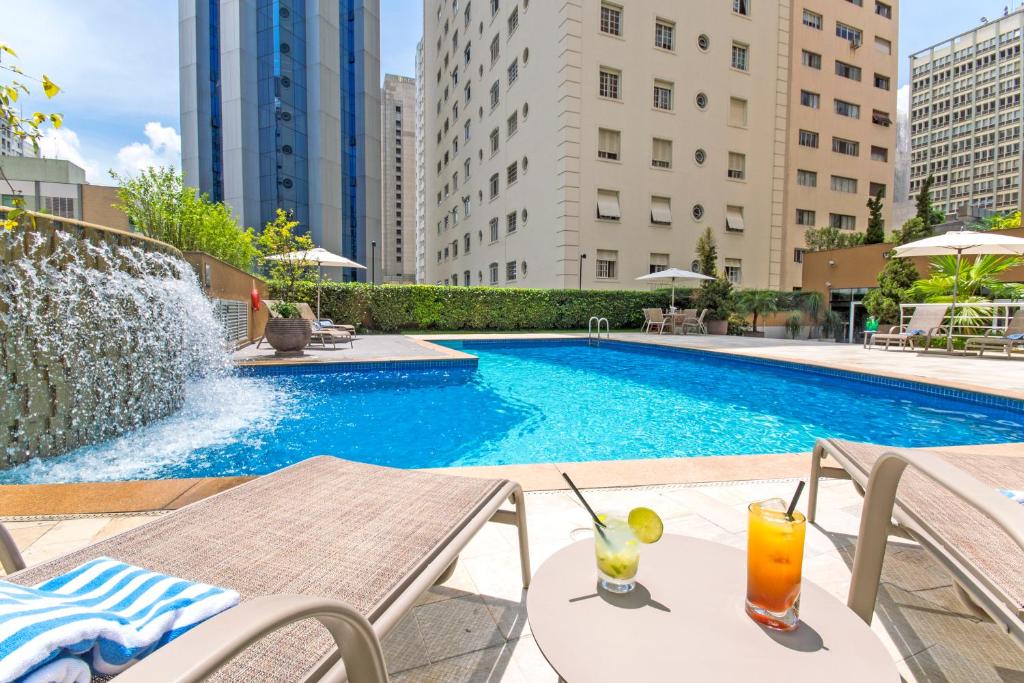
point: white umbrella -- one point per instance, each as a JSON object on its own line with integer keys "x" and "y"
{"x": 959, "y": 243}
{"x": 319, "y": 257}
{"x": 674, "y": 274}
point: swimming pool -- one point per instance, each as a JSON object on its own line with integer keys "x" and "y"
{"x": 529, "y": 402}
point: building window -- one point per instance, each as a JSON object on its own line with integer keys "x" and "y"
{"x": 512, "y": 173}
{"x": 493, "y": 270}
{"x": 664, "y": 34}
{"x": 663, "y": 95}
{"x": 511, "y": 224}
{"x": 513, "y": 124}
{"x": 806, "y": 178}
{"x": 876, "y": 189}
{"x": 734, "y": 270}
{"x": 661, "y": 210}
{"x": 734, "y": 218}
{"x": 737, "y": 166}
{"x": 805, "y": 217}
{"x": 661, "y": 153}
{"x": 608, "y": 142}
{"x": 657, "y": 263}
{"x": 493, "y": 225}
{"x": 847, "y": 70}
{"x": 841, "y": 184}
{"x": 798, "y": 255}
{"x": 513, "y": 21}
{"x": 737, "y": 112}
{"x": 495, "y": 48}
{"x": 494, "y": 7}
{"x": 607, "y": 262}
{"x": 847, "y": 32}
{"x": 810, "y": 99}
{"x": 879, "y": 153}
{"x": 494, "y": 186}
{"x": 810, "y": 59}
{"x": 699, "y": 156}
{"x": 609, "y": 84}
{"x": 848, "y": 147}
{"x": 808, "y": 138}
{"x": 882, "y": 45}
{"x": 611, "y": 19}
{"x": 513, "y": 71}
{"x": 842, "y": 221}
{"x": 883, "y": 10}
{"x": 844, "y": 108}
{"x": 881, "y": 81}
{"x": 741, "y": 7}
{"x": 495, "y": 140}
{"x": 812, "y": 19}
{"x": 510, "y": 271}
{"x": 60, "y": 206}
{"x": 495, "y": 94}
{"x": 608, "y": 205}
{"x": 740, "y": 56}
{"x": 701, "y": 100}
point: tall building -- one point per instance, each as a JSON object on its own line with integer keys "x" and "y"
{"x": 280, "y": 108}
{"x": 585, "y": 143}
{"x": 10, "y": 145}
{"x": 965, "y": 117}
{"x": 421, "y": 180}
{"x": 841, "y": 136}
{"x": 398, "y": 133}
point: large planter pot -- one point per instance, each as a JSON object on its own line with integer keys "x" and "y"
{"x": 718, "y": 327}
{"x": 288, "y": 335}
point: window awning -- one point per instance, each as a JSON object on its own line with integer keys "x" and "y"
{"x": 608, "y": 205}
{"x": 734, "y": 219}
{"x": 661, "y": 211}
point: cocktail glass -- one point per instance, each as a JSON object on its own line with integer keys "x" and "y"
{"x": 618, "y": 553}
{"x": 775, "y": 553}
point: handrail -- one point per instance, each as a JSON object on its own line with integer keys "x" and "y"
{"x": 590, "y": 328}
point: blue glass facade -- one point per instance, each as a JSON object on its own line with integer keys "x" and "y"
{"x": 350, "y": 123}
{"x": 216, "y": 116}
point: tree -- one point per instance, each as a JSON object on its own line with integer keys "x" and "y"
{"x": 911, "y": 231}
{"x": 160, "y": 205}
{"x": 926, "y": 211}
{"x": 277, "y": 239}
{"x": 716, "y": 296}
{"x": 894, "y": 284}
{"x": 757, "y": 302}
{"x": 828, "y": 238}
{"x": 998, "y": 221}
{"x": 978, "y": 279}
{"x": 876, "y": 227}
{"x": 707, "y": 253}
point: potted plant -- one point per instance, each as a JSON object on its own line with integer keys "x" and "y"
{"x": 288, "y": 333}
{"x": 793, "y": 324}
{"x": 716, "y": 296}
{"x": 755, "y": 303}
{"x": 832, "y": 326}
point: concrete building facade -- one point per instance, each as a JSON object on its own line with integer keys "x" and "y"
{"x": 586, "y": 143}
{"x": 59, "y": 188}
{"x": 421, "y": 180}
{"x": 10, "y": 145}
{"x": 965, "y": 117}
{"x": 398, "y": 180}
{"x": 280, "y": 108}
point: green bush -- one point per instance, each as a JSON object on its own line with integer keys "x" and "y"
{"x": 392, "y": 308}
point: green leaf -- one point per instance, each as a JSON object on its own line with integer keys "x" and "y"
{"x": 49, "y": 87}
{"x": 57, "y": 120}
{"x": 37, "y": 118}
{"x": 8, "y": 50}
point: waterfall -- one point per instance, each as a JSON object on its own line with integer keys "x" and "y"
{"x": 100, "y": 334}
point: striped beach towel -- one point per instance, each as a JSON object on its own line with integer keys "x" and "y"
{"x": 108, "y": 613}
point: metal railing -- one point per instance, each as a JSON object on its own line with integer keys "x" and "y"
{"x": 234, "y": 316}
{"x": 590, "y": 330}
{"x": 968, "y": 318}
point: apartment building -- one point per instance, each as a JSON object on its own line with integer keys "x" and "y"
{"x": 59, "y": 188}
{"x": 10, "y": 145}
{"x": 280, "y": 108}
{"x": 421, "y": 180}
{"x": 398, "y": 180}
{"x": 841, "y": 135}
{"x": 965, "y": 117}
{"x": 586, "y": 143}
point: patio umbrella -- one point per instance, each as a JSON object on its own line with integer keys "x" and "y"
{"x": 319, "y": 257}
{"x": 959, "y": 243}
{"x": 674, "y": 274}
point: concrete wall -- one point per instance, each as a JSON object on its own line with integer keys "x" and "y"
{"x": 98, "y": 207}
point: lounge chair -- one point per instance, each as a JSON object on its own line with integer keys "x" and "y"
{"x": 306, "y": 313}
{"x": 925, "y": 323}
{"x": 947, "y": 503}
{"x": 695, "y": 322}
{"x": 330, "y": 335}
{"x": 654, "y": 318}
{"x": 269, "y": 305}
{"x": 999, "y": 340}
{"x": 348, "y": 544}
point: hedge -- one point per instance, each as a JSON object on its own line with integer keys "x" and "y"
{"x": 391, "y": 308}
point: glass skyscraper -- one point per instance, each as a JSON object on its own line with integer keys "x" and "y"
{"x": 280, "y": 108}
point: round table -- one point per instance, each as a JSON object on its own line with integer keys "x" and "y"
{"x": 685, "y": 621}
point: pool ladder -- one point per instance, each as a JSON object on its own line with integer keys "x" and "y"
{"x": 591, "y": 339}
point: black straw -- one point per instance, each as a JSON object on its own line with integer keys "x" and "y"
{"x": 598, "y": 524}
{"x": 792, "y": 503}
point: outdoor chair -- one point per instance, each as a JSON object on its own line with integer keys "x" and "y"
{"x": 1000, "y": 340}
{"x": 695, "y": 322}
{"x": 654, "y": 318}
{"x": 950, "y": 505}
{"x": 349, "y": 545}
{"x": 269, "y": 305}
{"x": 329, "y": 335}
{"x": 306, "y": 313}
{"x": 925, "y": 323}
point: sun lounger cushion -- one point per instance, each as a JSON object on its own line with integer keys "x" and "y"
{"x": 1015, "y": 337}
{"x": 108, "y": 613}
{"x": 1015, "y": 496}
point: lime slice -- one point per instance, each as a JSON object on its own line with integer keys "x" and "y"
{"x": 646, "y": 525}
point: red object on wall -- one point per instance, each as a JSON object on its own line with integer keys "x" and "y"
{"x": 255, "y": 296}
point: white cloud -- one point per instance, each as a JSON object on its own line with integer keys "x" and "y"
{"x": 162, "y": 149}
{"x": 63, "y": 143}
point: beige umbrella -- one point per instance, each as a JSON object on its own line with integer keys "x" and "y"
{"x": 319, "y": 257}
{"x": 674, "y": 274}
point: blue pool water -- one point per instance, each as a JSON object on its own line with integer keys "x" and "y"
{"x": 526, "y": 403}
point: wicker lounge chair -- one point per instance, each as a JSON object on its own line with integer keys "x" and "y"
{"x": 999, "y": 339}
{"x": 306, "y": 313}
{"x": 348, "y": 544}
{"x": 947, "y": 503}
{"x": 925, "y": 323}
{"x": 654, "y": 318}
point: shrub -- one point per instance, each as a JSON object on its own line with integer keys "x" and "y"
{"x": 716, "y": 296}
{"x": 392, "y": 308}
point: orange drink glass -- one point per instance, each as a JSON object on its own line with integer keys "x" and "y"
{"x": 775, "y": 553}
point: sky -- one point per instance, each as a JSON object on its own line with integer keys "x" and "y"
{"x": 117, "y": 64}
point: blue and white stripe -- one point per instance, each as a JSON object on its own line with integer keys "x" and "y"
{"x": 1015, "y": 496}
{"x": 108, "y": 613}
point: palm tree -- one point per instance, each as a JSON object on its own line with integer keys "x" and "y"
{"x": 978, "y": 283}
{"x": 757, "y": 302}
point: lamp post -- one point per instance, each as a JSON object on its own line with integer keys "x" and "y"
{"x": 583, "y": 257}
{"x": 373, "y": 263}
